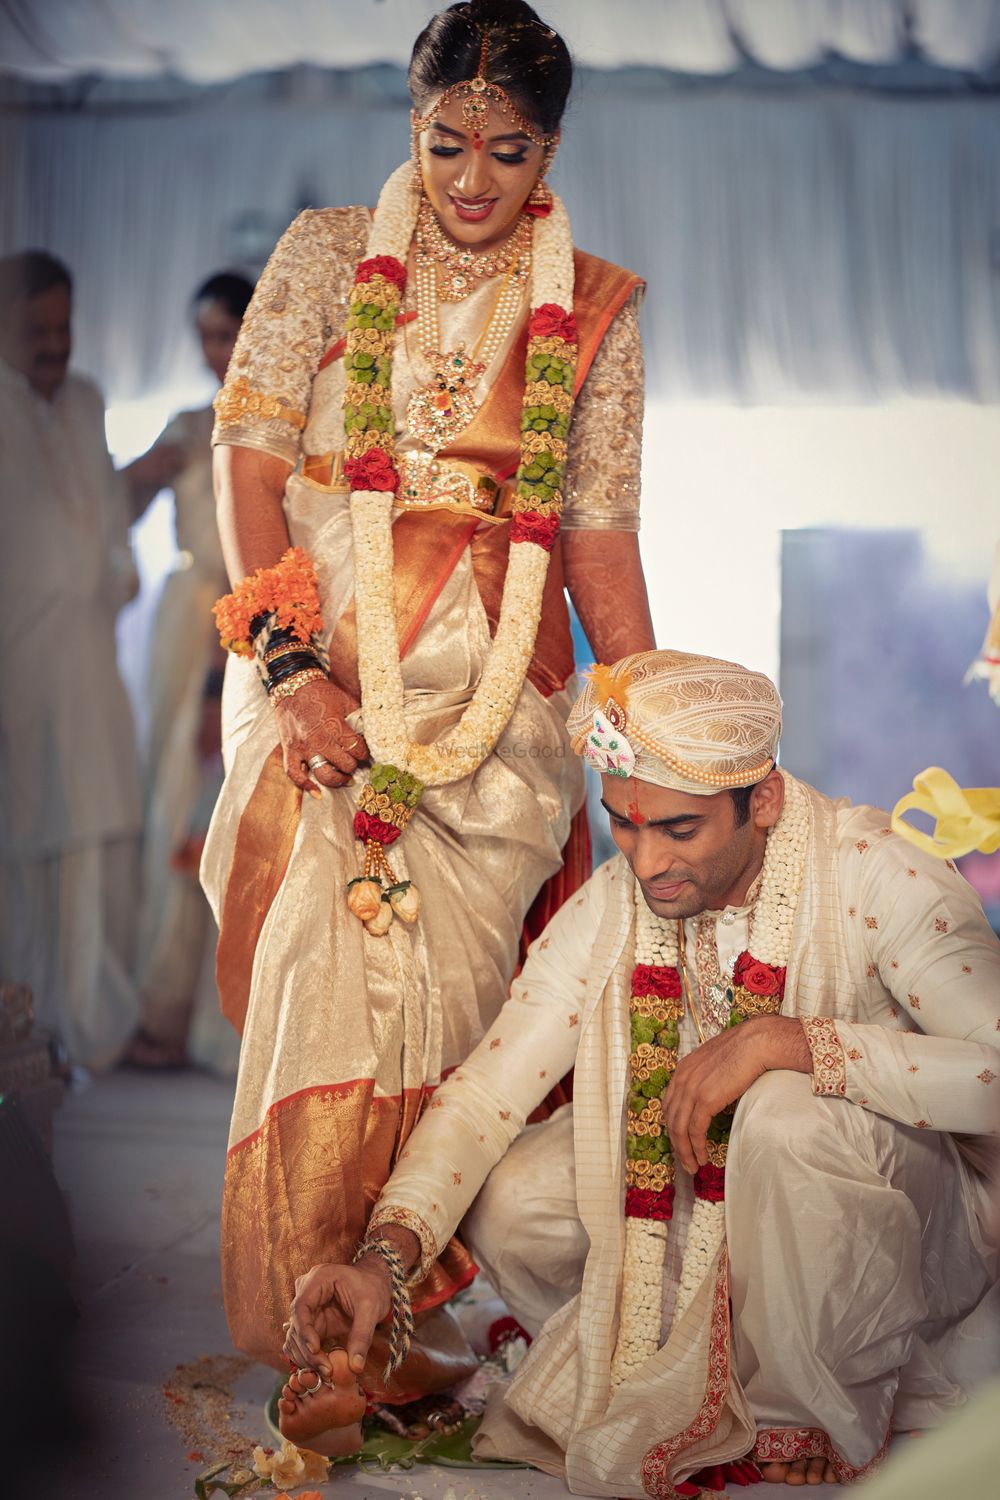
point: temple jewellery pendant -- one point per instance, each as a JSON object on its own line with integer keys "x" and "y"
{"x": 440, "y": 411}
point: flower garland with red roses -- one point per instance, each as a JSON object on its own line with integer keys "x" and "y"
{"x": 656, "y": 1009}
{"x": 375, "y": 302}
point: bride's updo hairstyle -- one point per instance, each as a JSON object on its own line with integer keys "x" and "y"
{"x": 529, "y": 60}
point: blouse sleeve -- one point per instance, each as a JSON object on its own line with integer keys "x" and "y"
{"x": 299, "y": 301}
{"x": 605, "y": 436}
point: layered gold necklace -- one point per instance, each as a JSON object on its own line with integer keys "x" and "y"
{"x": 442, "y": 408}
{"x": 465, "y": 268}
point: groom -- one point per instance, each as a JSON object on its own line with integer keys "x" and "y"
{"x": 754, "y": 943}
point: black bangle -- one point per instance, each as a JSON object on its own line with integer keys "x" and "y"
{"x": 285, "y": 636}
{"x": 287, "y": 666}
{"x": 294, "y": 666}
{"x": 260, "y": 622}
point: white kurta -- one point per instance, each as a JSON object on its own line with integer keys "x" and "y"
{"x": 892, "y": 950}
{"x": 69, "y": 786}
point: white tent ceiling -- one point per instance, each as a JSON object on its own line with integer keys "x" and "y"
{"x": 213, "y": 40}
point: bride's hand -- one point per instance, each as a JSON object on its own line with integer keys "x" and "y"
{"x": 312, "y": 722}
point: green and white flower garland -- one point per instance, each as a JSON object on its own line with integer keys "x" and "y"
{"x": 376, "y": 299}
{"x": 656, "y": 1009}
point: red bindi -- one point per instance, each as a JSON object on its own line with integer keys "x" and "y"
{"x": 477, "y": 142}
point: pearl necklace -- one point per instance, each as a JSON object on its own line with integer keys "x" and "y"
{"x": 444, "y": 406}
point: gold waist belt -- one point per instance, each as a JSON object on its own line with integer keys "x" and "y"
{"x": 426, "y": 483}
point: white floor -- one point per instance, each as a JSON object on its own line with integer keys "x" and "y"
{"x": 140, "y": 1159}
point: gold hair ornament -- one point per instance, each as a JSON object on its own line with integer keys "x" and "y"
{"x": 477, "y": 94}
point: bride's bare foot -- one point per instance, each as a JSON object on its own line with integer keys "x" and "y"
{"x": 327, "y": 1417}
{"x": 802, "y": 1471}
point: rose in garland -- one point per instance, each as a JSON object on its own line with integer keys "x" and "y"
{"x": 758, "y": 978}
{"x": 375, "y": 471}
{"x": 552, "y": 321}
{"x": 386, "y": 266}
{"x": 656, "y": 980}
{"x": 644, "y": 1203}
{"x": 529, "y": 526}
{"x": 366, "y": 826}
{"x": 710, "y": 1183}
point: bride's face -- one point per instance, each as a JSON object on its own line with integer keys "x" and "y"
{"x": 477, "y": 185}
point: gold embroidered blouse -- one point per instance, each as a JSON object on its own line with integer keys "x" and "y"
{"x": 300, "y": 309}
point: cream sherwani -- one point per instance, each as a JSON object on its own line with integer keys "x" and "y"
{"x": 69, "y": 788}
{"x": 858, "y": 1271}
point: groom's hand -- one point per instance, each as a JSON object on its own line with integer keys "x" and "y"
{"x": 337, "y": 1305}
{"x": 719, "y": 1072}
{"x": 342, "y": 1305}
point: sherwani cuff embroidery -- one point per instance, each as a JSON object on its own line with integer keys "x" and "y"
{"x": 829, "y": 1061}
{"x": 407, "y": 1219}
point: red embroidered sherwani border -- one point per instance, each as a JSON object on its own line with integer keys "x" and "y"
{"x": 783, "y": 1445}
{"x": 655, "y": 1467}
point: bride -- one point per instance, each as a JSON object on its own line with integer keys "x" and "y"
{"x": 430, "y": 426}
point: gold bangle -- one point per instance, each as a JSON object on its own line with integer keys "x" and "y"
{"x": 290, "y": 688}
{"x": 277, "y": 652}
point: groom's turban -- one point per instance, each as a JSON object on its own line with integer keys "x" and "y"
{"x": 690, "y": 723}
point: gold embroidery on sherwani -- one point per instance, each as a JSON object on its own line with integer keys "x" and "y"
{"x": 829, "y": 1065}
{"x": 787, "y": 1444}
{"x": 663, "y": 1465}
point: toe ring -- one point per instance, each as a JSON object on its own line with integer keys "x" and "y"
{"x": 310, "y": 1390}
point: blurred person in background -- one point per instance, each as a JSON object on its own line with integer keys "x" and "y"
{"x": 69, "y": 783}
{"x": 411, "y": 396}
{"x": 179, "y": 1011}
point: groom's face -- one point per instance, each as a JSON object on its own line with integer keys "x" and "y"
{"x": 690, "y": 854}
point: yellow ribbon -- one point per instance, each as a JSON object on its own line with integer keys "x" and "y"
{"x": 964, "y": 818}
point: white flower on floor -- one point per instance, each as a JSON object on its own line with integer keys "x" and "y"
{"x": 290, "y": 1465}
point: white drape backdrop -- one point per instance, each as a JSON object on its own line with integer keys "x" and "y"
{"x": 815, "y": 244}
{"x": 207, "y": 40}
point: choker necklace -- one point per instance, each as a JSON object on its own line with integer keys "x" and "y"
{"x": 466, "y": 267}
